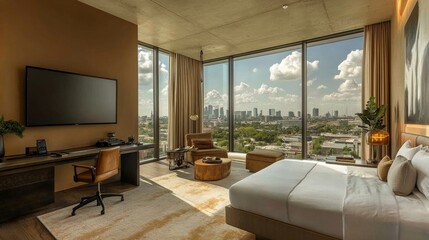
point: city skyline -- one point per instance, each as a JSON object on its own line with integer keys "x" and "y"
{"x": 273, "y": 79}
{"x": 212, "y": 112}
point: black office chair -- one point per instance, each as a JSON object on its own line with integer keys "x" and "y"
{"x": 106, "y": 167}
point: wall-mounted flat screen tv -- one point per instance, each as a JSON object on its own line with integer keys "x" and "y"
{"x": 63, "y": 98}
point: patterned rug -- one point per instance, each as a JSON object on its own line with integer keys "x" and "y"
{"x": 171, "y": 206}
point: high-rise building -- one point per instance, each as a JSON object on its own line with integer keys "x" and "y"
{"x": 249, "y": 114}
{"x": 243, "y": 114}
{"x": 315, "y": 112}
{"x": 291, "y": 114}
{"x": 271, "y": 112}
{"x": 278, "y": 113}
{"x": 299, "y": 114}
{"x": 216, "y": 113}
{"x": 336, "y": 113}
{"x": 210, "y": 110}
{"x": 222, "y": 115}
{"x": 328, "y": 115}
{"x": 255, "y": 112}
{"x": 260, "y": 113}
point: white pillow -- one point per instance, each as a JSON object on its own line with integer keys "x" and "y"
{"x": 407, "y": 151}
{"x": 420, "y": 162}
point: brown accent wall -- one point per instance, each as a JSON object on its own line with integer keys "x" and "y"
{"x": 400, "y": 15}
{"x": 71, "y": 36}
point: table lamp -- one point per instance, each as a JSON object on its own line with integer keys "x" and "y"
{"x": 379, "y": 138}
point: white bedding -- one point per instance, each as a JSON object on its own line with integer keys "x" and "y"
{"x": 341, "y": 201}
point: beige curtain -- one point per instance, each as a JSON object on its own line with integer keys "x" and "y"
{"x": 376, "y": 76}
{"x": 184, "y": 98}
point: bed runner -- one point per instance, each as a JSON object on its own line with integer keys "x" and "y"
{"x": 370, "y": 210}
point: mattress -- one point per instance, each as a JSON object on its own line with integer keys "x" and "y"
{"x": 335, "y": 200}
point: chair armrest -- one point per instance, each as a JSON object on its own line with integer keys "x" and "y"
{"x": 91, "y": 168}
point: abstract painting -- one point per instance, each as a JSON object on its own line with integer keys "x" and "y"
{"x": 417, "y": 65}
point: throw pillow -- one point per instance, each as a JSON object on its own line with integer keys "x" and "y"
{"x": 202, "y": 143}
{"x": 401, "y": 177}
{"x": 408, "y": 151}
{"x": 383, "y": 168}
{"x": 420, "y": 162}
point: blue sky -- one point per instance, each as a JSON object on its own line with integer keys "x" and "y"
{"x": 273, "y": 79}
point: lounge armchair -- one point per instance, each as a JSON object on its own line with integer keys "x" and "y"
{"x": 203, "y": 144}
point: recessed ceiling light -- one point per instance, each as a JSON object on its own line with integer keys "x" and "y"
{"x": 285, "y": 7}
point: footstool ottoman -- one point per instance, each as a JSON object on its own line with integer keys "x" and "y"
{"x": 261, "y": 158}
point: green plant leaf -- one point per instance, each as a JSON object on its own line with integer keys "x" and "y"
{"x": 11, "y": 126}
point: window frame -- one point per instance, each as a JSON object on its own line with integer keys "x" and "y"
{"x": 304, "y": 45}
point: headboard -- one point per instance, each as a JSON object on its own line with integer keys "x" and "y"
{"x": 415, "y": 139}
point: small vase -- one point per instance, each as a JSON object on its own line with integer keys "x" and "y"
{"x": 1, "y": 146}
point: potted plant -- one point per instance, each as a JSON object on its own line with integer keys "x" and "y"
{"x": 372, "y": 116}
{"x": 7, "y": 127}
{"x": 372, "y": 119}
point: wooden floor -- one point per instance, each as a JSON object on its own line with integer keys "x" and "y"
{"x": 29, "y": 227}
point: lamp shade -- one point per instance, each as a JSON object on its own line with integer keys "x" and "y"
{"x": 377, "y": 137}
{"x": 194, "y": 117}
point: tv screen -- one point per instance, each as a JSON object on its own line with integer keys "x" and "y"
{"x": 62, "y": 98}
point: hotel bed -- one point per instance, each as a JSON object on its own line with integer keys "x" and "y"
{"x": 296, "y": 199}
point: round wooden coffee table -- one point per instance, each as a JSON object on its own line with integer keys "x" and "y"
{"x": 212, "y": 171}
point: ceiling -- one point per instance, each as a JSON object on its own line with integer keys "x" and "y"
{"x": 227, "y": 27}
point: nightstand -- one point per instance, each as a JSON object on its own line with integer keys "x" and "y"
{"x": 357, "y": 163}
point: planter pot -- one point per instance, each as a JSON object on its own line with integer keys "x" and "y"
{"x": 1, "y": 146}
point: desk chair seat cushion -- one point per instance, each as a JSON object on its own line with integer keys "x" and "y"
{"x": 86, "y": 176}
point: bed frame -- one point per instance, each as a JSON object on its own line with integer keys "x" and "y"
{"x": 267, "y": 228}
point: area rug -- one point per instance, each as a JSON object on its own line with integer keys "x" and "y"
{"x": 171, "y": 206}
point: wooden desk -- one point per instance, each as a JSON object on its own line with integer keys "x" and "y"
{"x": 27, "y": 183}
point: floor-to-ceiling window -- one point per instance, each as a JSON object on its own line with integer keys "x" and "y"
{"x": 216, "y": 110}
{"x": 164, "y": 65}
{"x": 153, "y": 108}
{"x": 267, "y": 102}
{"x": 270, "y": 102}
{"x": 334, "y": 91}
{"x": 145, "y": 98}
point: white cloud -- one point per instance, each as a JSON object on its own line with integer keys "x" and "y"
{"x": 244, "y": 93}
{"x": 163, "y": 72}
{"x": 290, "y": 68}
{"x": 242, "y": 87}
{"x": 351, "y": 67}
{"x": 164, "y": 91}
{"x": 321, "y": 87}
{"x": 288, "y": 98}
{"x": 310, "y": 82}
{"x": 348, "y": 91}
{"x": 145, "y": 68}
{"x": 255, "y": 70}
{"x": 265, "y": 89}
{"x": 150, "y": 90}
{"x": 214, "y": 97}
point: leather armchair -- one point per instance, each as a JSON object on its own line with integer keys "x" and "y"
{"x": 198, "y": 153}
{"x": 106, "y": 167}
